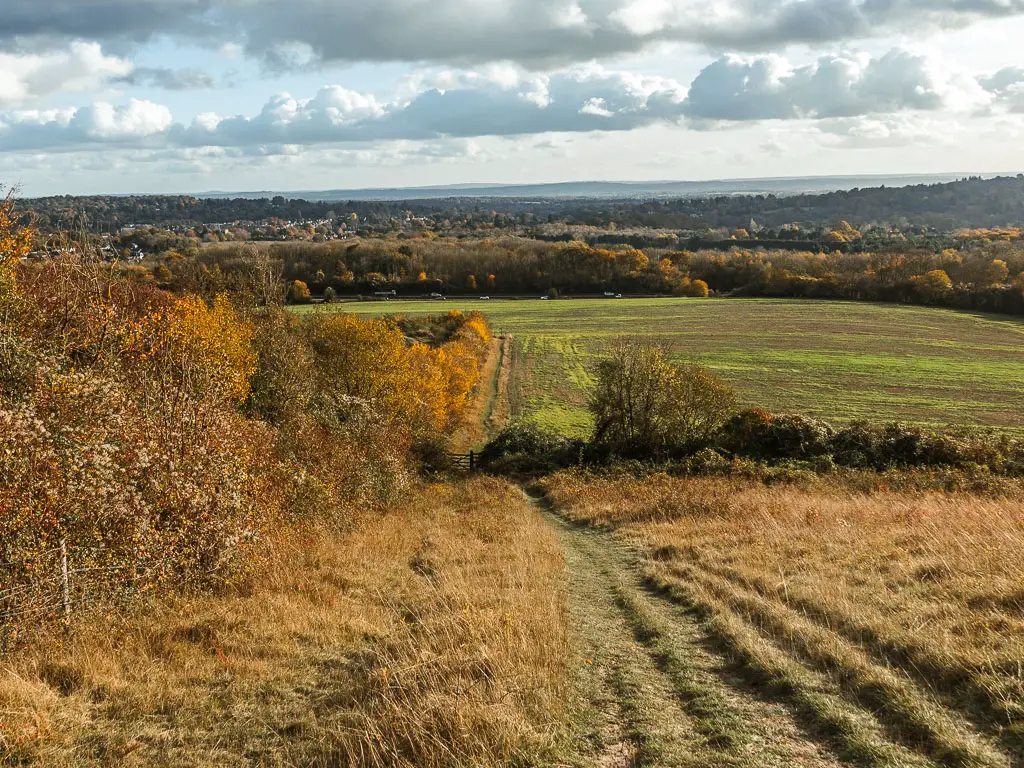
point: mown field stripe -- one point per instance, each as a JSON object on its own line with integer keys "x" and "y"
{"x": 909, "y": 713}
{"x": 813, "y": 697}
{"x": 957, "y": 687}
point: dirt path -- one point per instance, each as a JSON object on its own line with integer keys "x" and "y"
{"x": 662, "y": 686}
{"x": 499, "y": 409}
{"x": 482, "y": 419}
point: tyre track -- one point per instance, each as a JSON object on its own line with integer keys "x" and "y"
{"x": 654, "y": 690}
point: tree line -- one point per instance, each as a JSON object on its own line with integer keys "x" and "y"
{"x": 985, "y": 273}
{"x": 971, "y": 202}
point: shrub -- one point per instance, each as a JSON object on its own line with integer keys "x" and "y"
{"x": 644, "y": 405}
{"x": 522, "y": 437}
{"x": 765, "y": 436}
{"x": 526, "y": 448}
{"x": 282, "y": 384}
{"x": 165, "y": 442}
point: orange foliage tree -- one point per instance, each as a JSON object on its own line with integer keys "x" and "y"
{"x": 15, "y": 243}
{"x": 366, "y": 367}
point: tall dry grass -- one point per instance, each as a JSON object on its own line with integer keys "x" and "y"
{"x": 905, "y": 597}
{"x": 471, "y": 433}
{"x": 429, "y": 635}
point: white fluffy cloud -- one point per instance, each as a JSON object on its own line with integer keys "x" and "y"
{"x": 767, "y": 87}
{"x": 81, "y": 67}
{"x": 853, "y": 96}
{"x": 136, "y": 123}
{"x": 532, "y": 32}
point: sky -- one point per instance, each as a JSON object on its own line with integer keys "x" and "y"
{"x": 192, "y": 96}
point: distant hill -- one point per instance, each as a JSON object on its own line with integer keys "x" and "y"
{"x": 622, "y": 190}
{"x": 763, "y": 203}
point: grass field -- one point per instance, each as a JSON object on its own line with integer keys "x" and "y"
{"x": 891, "y": 625}
{"x": 834, "y": 360}
{"x": 428, "y": 635}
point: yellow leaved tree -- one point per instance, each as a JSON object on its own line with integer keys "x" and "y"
{"x": 368, "y": 371}
{"x": 15, "y": 243}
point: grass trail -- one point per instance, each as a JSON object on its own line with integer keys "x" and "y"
{"x": 720, "y": 677}
{"x": 654, "y": 689}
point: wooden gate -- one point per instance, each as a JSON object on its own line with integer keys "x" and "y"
{"x": 469, "y": 462}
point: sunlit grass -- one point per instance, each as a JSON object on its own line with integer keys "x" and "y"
{"x": 912, "y": 604}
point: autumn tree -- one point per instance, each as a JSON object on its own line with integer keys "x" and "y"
{"x": 997, "y": 272}
{"x": 645, "y": 404}
{"x": 298, "y": 293}
{"x": 933, "y": 284}
{"x": 366, "y": 370}
{"x": 698, "y": 289}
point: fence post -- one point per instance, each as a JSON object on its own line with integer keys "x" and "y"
{"x": 64, "y": 579}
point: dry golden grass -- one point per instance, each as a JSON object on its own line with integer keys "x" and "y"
{"x": 430, "y": 635}
{"x": 472, "y": 433}
{"x": 914, "y": 603}
{"x": 501, "y": 409}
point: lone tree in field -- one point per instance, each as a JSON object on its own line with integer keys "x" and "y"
{"x": 298, "y": 293}
{"x": 644, "y": 404}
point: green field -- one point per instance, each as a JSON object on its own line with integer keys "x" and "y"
{"x": 835, "y": 360}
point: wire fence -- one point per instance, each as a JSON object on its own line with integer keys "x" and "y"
{"x": 61, "y": 584}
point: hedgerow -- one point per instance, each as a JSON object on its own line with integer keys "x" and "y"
{"x": 154, "y": 443}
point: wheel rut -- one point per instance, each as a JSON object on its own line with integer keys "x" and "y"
{"x": 653, "y": 689}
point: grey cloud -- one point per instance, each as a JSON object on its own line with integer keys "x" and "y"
{"x": 1008, "y": 86}
{"x": 169, "y": 79}
{"x": 536, "y": 33}
{"x": 107, "y": 20}
{"x": 764, "y": 88}
{"x": 558, "y": 104}
{"x": 581, "y": 100}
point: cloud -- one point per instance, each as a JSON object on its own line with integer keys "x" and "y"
{"x": 888, "y": 131}
{"x": 535, "y": 33}
{"x": 499, "y": 102}
{"x": 1008, "y": 86}
{"x": 767, "y": 88}
{"x": 135, "y": 124}
{"x": 169, "y": 79}
{"x": 82, "y": 67}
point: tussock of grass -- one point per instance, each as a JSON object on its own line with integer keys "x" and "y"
{"x": 429, "y": 635}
